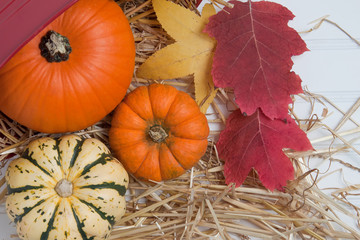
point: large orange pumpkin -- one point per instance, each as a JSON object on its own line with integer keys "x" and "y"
{"x": 74, "y": 72}
{"x": 158, "y": 132}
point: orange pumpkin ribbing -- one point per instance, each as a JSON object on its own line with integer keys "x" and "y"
{"x": 76, "y": 93}
{"x": 184, "y": 131}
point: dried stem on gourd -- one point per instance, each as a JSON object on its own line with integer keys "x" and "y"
{"x": 64, "y": 188}
{"x": 157, "y": 133}
{"x": 55, "y": 47}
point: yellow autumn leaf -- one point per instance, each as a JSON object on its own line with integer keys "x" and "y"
{"x": 192, "y": 52}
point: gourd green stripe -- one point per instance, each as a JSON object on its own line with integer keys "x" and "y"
{"x": 121, "y": 189}
{"x": 18, "y": 218}
{"x": 109, "y": 218}
{"x": 56, "y": 147}
{"x": 77, "y": 150}
{"x": 101, "y": 160}
{"x": 28, "y": 157}
{"x": 80, "y": 226}
{"x": 45, "y": 235}
{"x": 22, "y": 189}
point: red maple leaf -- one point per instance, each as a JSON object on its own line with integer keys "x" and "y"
{"x": 253, "y": 56}
{"x": 257, "y": 142}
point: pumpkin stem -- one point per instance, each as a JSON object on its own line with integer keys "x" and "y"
{"x": 54, "y": 47}
{"x": 157, "y": 133}
{"x": 64, "y": 188}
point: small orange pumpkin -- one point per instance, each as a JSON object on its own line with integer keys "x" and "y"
{"x": 74, "y": 72}
{"x": 158, "y": 132}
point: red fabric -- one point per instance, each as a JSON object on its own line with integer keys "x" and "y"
{"x": 20, "y": 20}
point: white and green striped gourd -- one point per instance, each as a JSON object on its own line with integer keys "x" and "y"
{"x": 66, "y": 188}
